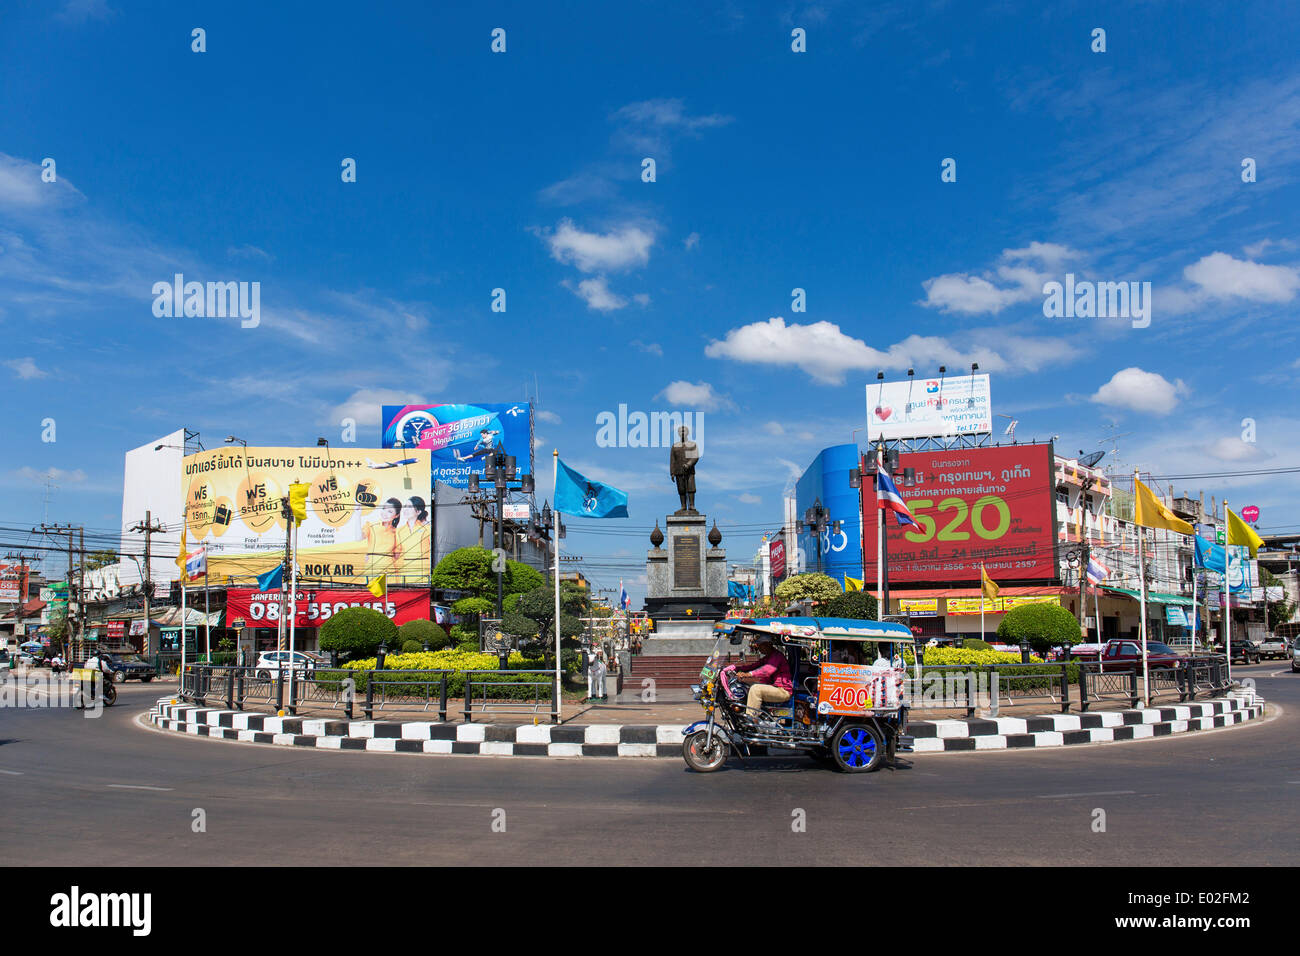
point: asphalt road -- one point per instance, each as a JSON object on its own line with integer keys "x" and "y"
{"x": 114, "y": 792}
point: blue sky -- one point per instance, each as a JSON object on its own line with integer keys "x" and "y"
{"x": 775, "y": 170}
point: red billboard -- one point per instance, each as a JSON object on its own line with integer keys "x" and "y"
{"x": 992, "y": 505}
{"x": 248, "y": 607}
{"x": 13, "y": 583}
{"x": 776, "y": 558}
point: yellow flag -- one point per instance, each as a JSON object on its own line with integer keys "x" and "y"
{"x": 180, "y": 558}
{"x": 378, "y": 586}
{"x": 1241, "y": 533}
{"x": 298, "y": 501}
{"x": 1150, "y": 513}
{"x": 851, "y": 584}
{"x": 987, "y": 586}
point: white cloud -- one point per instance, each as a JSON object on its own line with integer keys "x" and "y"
{"x": 26, "y": 368}
{"x": 691, "y": 241}
{"x": 824, "y": 352}
{"x": 1220, "y": 276}
{"x": 21, "y": 186}
{"x": 596, "y": 293}
{"x": 79, "y": 11}
{"x": 546, "y": 416}
{"x": 641, "y": 299}
{"x": 746, "y": 498}
{"x": 364, "y": 405}
{"x": 1012, "y": 280}
{"x": 650, "y": 348}
{"x": 1140, "y": 391}
{"x": 774, "y": 428}
{"x": 27, "y": 473}
{"x": 621, "y": 248}
{"x": 1234, "y": 449}
{"x": 699, "y": 395}
{"x": 249, "y": 252}
{"x": 648, "y": 126}
{"x": 1256, "y": 249}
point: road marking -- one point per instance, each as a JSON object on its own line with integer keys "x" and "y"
{"x": 1094, "y": 793}
{"x": 128, "y": 786}
{"x": 19, "y": 773}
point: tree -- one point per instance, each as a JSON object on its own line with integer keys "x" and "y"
{"x": 854, "y": 604}
{"x": 539, "y": 605}
{"x": 466, "y": 569}
{"x": 516, "y": 625}
{"x": 1279, "y": 612}
{"x": 357, "y": 632}
{"x": 99, "y": 559}
{"x": 521, "y": 578}
{"x": 1044, "y": 626}
{"x": 426, "y": 632}
{"x": 814, "y": 587}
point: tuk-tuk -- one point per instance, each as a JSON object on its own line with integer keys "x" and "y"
{"x": 845, "y": 708}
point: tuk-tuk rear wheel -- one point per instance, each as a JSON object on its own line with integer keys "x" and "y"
{"x": 858, "y": 748}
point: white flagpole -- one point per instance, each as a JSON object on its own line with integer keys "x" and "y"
{"x": 1227, "y": 595}
{"x": 1193, "y": 650}
{"x": 555, "y": 536}
{"x": 185, "y": 571}
{"x": 293, "y": 604}
{"x": 1142, "y": 610}
{"x": 880, "y": 544}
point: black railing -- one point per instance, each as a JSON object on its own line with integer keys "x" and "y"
{"x": 377, "y": 691}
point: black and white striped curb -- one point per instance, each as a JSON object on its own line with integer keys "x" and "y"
{"x": 1057, "y": 730}
{"x": 665, "y": 740}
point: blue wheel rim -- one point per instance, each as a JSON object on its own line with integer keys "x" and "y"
{"x": 857, "y": 747}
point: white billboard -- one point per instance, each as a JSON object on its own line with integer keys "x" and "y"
{"x": 929, "y": 407}
{"x": 151, "y": 482}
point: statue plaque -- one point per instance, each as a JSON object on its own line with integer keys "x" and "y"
{"x": 686, "y": 561}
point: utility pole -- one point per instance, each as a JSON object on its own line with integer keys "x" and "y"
{"x": 149, "y": 529}
{"x": 81, "y": 588}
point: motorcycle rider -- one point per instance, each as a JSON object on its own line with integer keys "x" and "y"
{"x": 768, "y": 677}
{"x": 99, "y": 661}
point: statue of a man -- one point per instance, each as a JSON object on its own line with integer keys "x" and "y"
{"x": 683, "y": 458}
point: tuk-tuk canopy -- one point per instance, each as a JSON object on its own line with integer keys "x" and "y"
{"x": 821, "y": 628}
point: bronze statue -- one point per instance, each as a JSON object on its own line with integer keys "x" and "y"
{"x": 683, "y": 458}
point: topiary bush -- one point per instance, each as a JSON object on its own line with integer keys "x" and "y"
{"x": 1042, "y": 625}
{"x": 357, "y": 632}
{"x": 975, "y": 644}
{"x": 855, "y": 604}
{"x": 411, "y": 647}
{"x": 422, "y": 631}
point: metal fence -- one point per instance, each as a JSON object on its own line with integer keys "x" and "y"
{"x": 1066, "y": 684}
{"x": 373, "y": 691}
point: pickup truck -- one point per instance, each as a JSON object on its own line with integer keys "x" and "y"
{"x": 1128, "y": 652}
{"x": 1273, "y": 646}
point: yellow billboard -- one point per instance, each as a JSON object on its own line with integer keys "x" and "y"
{"x": 368, "y": 512}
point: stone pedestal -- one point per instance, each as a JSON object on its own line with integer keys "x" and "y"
{"x": 686, "y": 577}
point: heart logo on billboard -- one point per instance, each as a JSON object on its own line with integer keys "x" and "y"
{"x": 884, "y": 412}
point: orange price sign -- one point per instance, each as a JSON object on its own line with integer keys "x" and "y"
{"x": 844, "y": 689}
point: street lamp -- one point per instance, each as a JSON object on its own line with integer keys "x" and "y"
{"x": 815, "y": 519}
{"x": 231, "y": 439}
{"x": 501, "y": 469}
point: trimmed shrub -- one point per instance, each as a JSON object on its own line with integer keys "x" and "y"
{"x": 975, "y": 644}
{"x": 855, "y": 604}
{"x": 357, "y": 632}
{"x": 1043, "y": 625}
{"x": 412, "y": 647}
{"x": 422, "y": 631}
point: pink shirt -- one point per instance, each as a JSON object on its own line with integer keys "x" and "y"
{"x": 773, "y": 669}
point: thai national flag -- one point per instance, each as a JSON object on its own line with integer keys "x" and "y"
{"x": 1097, "y": 572}
{"x": 196, "y": 564}
{"x": 624, "y": 601}
{"x": 890, "y": 499}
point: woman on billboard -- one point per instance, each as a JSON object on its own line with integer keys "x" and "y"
{"x": 413, "y": 537}
{"x": 381, "y": 539}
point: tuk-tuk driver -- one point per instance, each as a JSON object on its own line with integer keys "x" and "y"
{"x": 768, "y": 677}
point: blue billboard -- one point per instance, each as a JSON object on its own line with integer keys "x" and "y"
{"x": 460, "y": 437}
{"x": 827, "y": 480}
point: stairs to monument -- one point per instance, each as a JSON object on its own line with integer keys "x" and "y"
{"x": 667, "y": 671}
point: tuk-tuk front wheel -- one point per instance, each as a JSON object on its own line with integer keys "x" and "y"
{"x": 700, "y": 755}
{"x": 857, "y": 748}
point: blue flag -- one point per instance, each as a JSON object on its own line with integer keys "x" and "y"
{"x": 1214, "y": 557}
{"x": 584, "y": 498}
{"x": 272, "y": 580}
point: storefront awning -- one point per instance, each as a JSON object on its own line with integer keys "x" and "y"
{"x": 1031, "y": 591}
{"x": 1153, "y": 597}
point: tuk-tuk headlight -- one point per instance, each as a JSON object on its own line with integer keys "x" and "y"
{"x": 695, "y": 689}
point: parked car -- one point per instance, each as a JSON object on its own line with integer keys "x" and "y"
{"x": 1127, "y": 651}
{"x": 129, "y": 666}
{"x": 1295, "y": 657}
{"x": 268, "y": 662}
{"x": 1244, "y": 650}
{"x": 1275, "y": 646}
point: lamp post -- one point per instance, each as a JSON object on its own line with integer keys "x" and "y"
{"x": 816, "y": 520}
{"x": 231, "y": 440}
{"x": 501, "y": 469}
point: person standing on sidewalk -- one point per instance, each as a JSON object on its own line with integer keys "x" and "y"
{"x": 596, "y": 674}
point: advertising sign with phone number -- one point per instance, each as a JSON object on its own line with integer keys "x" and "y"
{"x": 994, "y": 506}
{"x": 315, "y": 607}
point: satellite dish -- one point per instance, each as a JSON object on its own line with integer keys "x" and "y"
{"x": 1090, "y": 459}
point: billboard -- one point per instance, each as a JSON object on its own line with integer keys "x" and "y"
{"x": 249, "y": 607}
{"x": 929, "y": 407}
{"x": 994, "y": 505}
{"x": 837, "y": 553}
{"x": 13, "y": 583}
{"x": 149, "y": 487}
{"x": 368, "y": 512}
{"x": 459, "y": 437}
